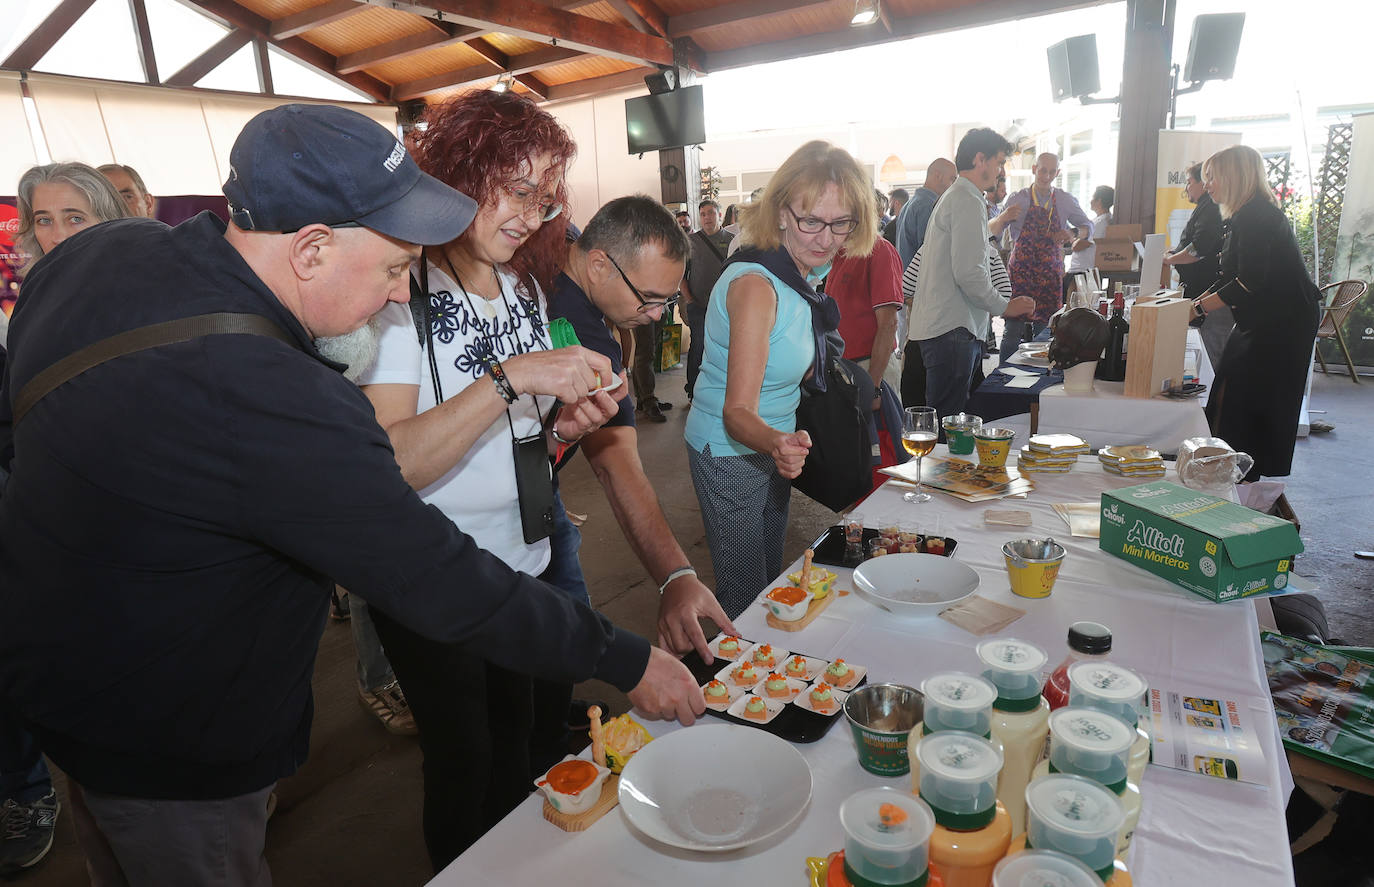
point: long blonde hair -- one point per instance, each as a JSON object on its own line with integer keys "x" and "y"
{"x": 1239, "y": 175}
{"x": 802, "y": 178}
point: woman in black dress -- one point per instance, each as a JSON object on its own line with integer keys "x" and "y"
{"x": 1259, "y": 382}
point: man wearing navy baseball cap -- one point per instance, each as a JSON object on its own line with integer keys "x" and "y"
{"x": 190, "y": 474}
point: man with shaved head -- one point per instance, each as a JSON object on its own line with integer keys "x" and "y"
{"x": 1050, "y": 218}
{"x": 911, "y": 223}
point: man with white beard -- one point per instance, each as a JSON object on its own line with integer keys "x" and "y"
{"x": 189, "y": 476}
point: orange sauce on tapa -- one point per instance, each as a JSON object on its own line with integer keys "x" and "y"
{"x": 570, "y": 777}
{"x": 790, "y": 596}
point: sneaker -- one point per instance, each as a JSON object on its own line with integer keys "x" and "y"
{"x": 26, "y": 832}
{"x": 664, "y": 406}
{"x": 651, "y": 413}
{"x": 389, "y": 706}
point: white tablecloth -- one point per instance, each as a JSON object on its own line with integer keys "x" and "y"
{"x": 1193, "y": 829}
{"x": 1106, "y": 416}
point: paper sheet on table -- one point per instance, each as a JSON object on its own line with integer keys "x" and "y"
{"x": 1205, "y": 734}
{"x": 979, "y": 616}
{"x": 1013, "y": 371}
{"x": 1083, "y": 518}
{"x": 1022, "y": 381}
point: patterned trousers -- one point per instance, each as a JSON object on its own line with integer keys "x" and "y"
{"x": 744, "y": 509}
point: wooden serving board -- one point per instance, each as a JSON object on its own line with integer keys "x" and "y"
{"x": 580, "y": 822}
{"x": 812, "y": 611}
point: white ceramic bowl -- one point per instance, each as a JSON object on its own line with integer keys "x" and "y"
{"x": 715, "y": 787}
{"x": 914, "y": 584}
{"x": 788, "y": 612}
{"x": 580, "y": 802}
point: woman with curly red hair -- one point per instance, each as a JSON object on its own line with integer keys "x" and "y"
{"x": 469, "y": 405}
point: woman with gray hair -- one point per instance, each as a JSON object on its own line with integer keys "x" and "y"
{"x": 59, "y": 199}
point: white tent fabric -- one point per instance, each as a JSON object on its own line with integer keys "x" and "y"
{"x": 16, "y": 149}
{"x": 178, "y": 140}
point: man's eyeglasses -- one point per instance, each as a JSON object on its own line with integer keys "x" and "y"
{"x": 645, "y": 305}
{"x": 813, "y": 225}
{"x": 526, "y": 200}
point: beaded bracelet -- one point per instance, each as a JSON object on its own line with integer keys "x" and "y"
{"x": 498, "y": 376}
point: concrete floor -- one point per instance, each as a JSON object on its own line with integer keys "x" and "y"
{"x": 351, "y": 816}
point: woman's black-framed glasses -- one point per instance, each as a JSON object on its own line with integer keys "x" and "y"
{"x": 526, "y": 200}
{"x": 645, "y": 305}
{"x": 813, "y": 225}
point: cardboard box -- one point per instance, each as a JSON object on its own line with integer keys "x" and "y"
{"x": 1116, "y": 249}
{"x": 1221, "y": 550}
{"x": 1156, "y": 345}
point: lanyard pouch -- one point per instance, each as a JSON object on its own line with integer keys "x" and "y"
{"x": 534, "y": 485}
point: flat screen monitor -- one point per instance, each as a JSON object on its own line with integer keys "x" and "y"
{"x": 667, "y": 120}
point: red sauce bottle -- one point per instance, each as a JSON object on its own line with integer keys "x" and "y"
{"x": 1087, "y": 640}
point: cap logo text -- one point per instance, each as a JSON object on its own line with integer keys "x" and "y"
{"x": 398, "y": 154}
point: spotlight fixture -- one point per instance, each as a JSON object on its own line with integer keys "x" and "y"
{"x": 503, "y": 83}
{"x": 865, "y": 13}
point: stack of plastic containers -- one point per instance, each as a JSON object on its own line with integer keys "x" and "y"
{"x": 886, "y": 838}
{"x": 1095, "y": 745}
{"x": 959, "y": 781}
{"x": 1020, "y": 717}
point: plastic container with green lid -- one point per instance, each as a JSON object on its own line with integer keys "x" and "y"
{"x": 957, "y": 701}
{"x": 1108, "y": 687}
{"x": 1091, "y": 743}
{"x": 885, "y": 849}
{"x": 1075, "y": 816}
{"x": 1043, "y": 868}
{"x": 1015, "y": 668}
{"x": 959, "y": 778}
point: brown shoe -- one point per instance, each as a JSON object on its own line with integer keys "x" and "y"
{"x": 389, "y": 705}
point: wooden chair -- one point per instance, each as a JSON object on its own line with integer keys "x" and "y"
{"x": 1337, "y": 307}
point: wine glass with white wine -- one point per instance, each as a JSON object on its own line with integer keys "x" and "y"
{"x": 918, "y": 438}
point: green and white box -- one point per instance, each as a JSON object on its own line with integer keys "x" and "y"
{"x": 1221, "y": 550}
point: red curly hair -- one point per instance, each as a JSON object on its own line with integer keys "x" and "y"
{"x": 482, "y": 140}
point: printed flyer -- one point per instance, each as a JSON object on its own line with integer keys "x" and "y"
{"x": 1200, "y": 733}
{"x": 1323, "y": 699}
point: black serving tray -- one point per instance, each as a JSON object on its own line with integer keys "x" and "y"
{"x": 794, "y": 723}
{"x": 829, "y": 547}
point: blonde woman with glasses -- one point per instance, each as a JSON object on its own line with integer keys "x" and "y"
{"x": 761, "y": 343}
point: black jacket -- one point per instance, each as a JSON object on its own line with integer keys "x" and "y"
{"x": 1203, "y": 234}
{"x": 175, "y": 518}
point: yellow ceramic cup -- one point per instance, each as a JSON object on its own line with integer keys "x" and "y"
{"x": 1033, "y": 565}
{"x": 993, "y": 446}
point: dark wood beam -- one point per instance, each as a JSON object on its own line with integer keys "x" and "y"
{"x": 973, "y": 14}
{"x": 1144, "y": 108}
{"x": 488, "y": 52}
{"x": 533, "y": 21}
{"x": 544, "y": 57}
{"x": 37, "y": 44}
{"x": 314, "y": 17}
{"x": 733, "y": 14}
{"x": 264, "y": 66}
{"x": 441, "y": 35}
{"x": 233, "y": 15}
{"x": 595, "y": 85}
{"x": 144, "y": 35}
{"x": 210, "y": 59}
{"x": 415, "y": 89}
{"x": 642, "y": 15}
{"x": 538, "y": 87}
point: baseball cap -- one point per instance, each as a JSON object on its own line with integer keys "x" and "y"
{"x": 298, "y": 165}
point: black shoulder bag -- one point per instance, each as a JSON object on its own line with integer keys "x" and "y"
{"x": 835, "y": 402}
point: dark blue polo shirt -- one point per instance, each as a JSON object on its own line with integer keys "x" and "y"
{"x": 569, "y": 301}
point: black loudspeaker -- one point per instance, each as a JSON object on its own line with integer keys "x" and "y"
{"x": 661, "y": 81}
{"x": 672, "y": 165}
{"x": 1073, "y": 67}
{"x": 1213, "y": 47}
